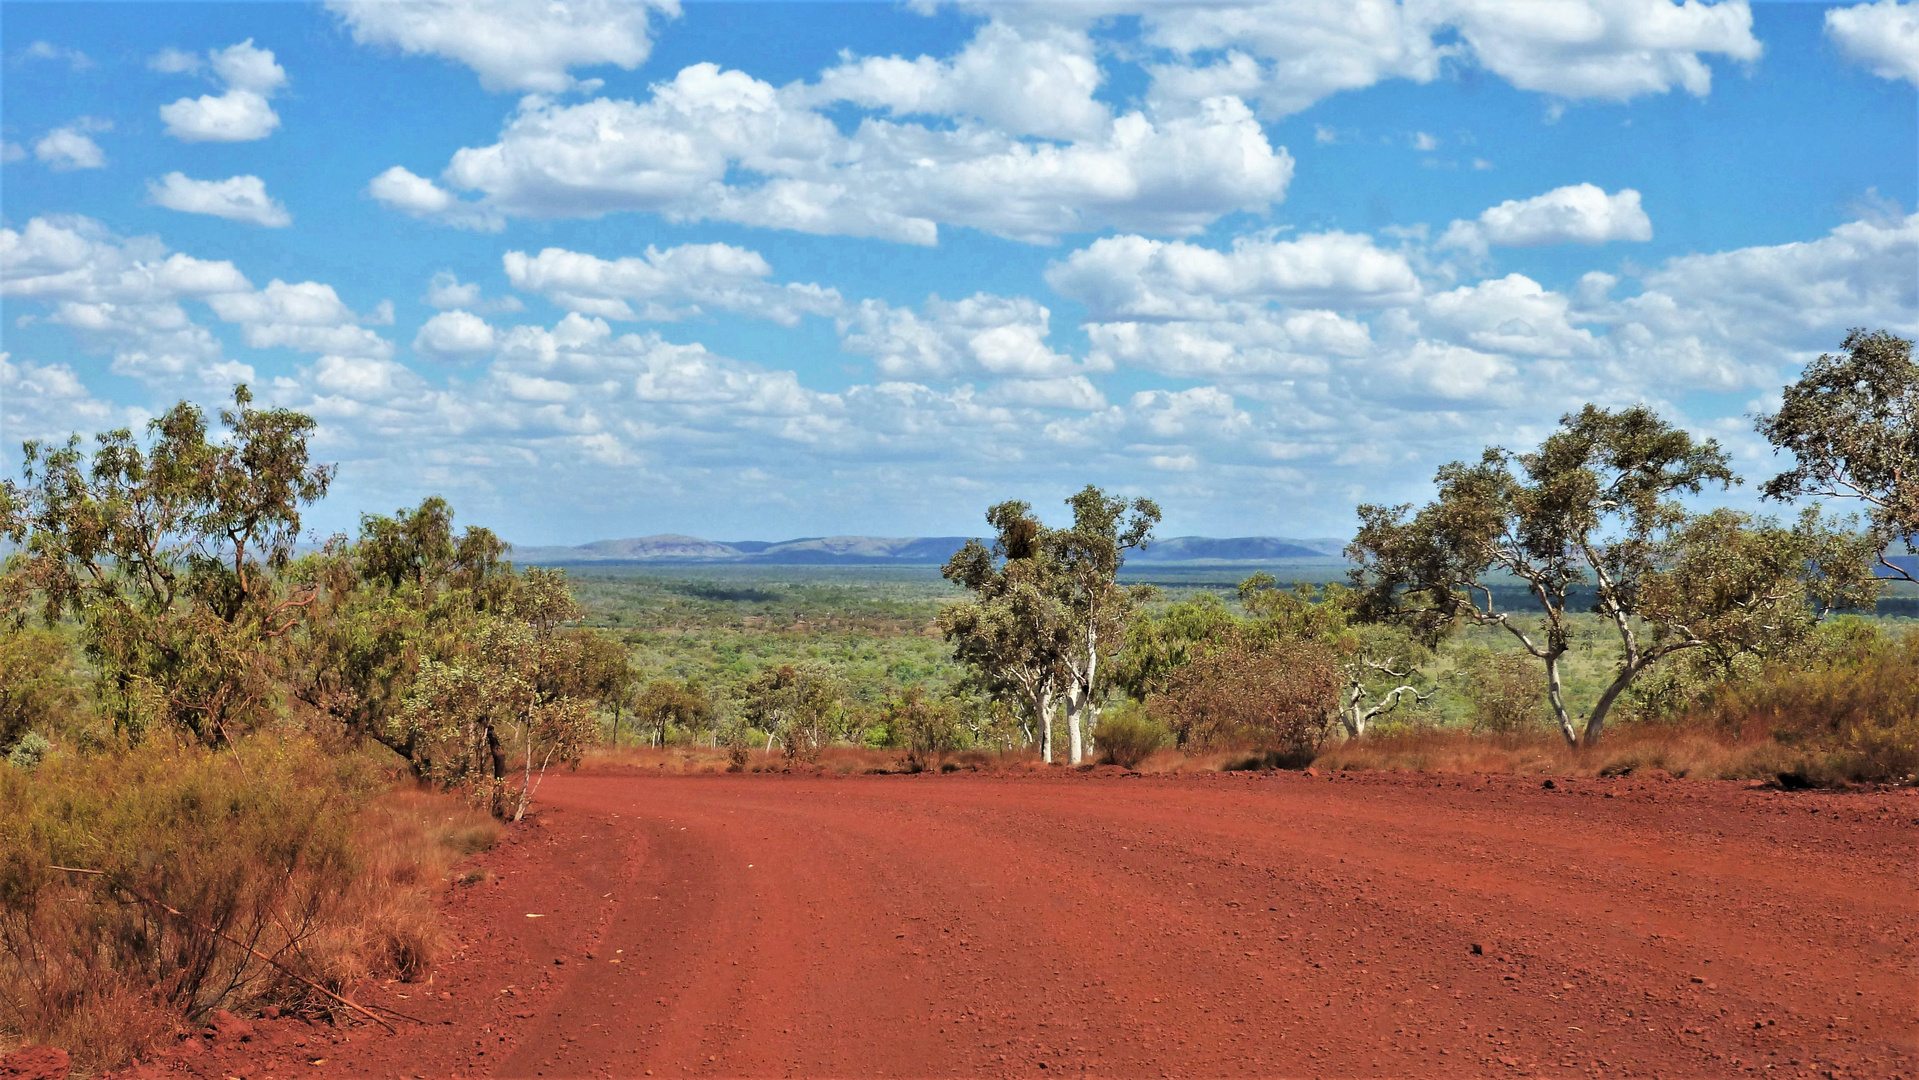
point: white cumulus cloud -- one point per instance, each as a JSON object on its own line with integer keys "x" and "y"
{"x": 1883, "y": 38}
{"x": 1577, "y": 213}
{"x": 1288, "y": 54}
{"x": 1613, "y": 50}
{"x": 237, "y": 198}
{"x": 667, "y": 285}
{"x": 242, "y": 113}
{"x": 1033, "y": 79}
{"x": 419, "y": 197}
{"x": 1132, "y": 276}
{"x": 713, "y": 144}
{"x": 70, "y": 147}
{"x": 980, "y": 335}
{"x": 524, "y": 45}
{"x": 454, "y": 335}
{"x": 446, "y": 290}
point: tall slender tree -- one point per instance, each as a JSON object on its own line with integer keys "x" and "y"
{"x": 1048, "y": 612}
{"x": 1087, "y": 557}
{"x": 1011, "y": 631}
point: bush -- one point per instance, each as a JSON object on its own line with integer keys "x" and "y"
{"x": 1852, "y": 704}
{"x": 1126, "y": 738}
{"x": 272, "y": 844}
{"x": 29, "y": 752}
{"x": 1507, "y": 691}
{"x": 1279, "y": 695}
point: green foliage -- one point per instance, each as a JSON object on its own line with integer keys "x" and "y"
{"x": 29, "y": 752}
{"x": 40, "y": 685}
{"x": 514, "y": 700}
{"x": 1507, "y": 691}
{"x": 1047, "y": 611}
{"x": 1127, "y": 736}
{"x": 1595, "y": 504}
{"x": 1851, "y": 423}
{"x": 1158, "y": 645}
{"x": 803, "y": 707}
{"x": 433, "y": 646}
{"x": 923, "y": 728}
{"x": 668, "y": 703}
{"x": 1280, "y": 694}
{"x": 168, "y": 557}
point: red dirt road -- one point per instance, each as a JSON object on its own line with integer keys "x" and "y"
{"x": 1215, "y": 925}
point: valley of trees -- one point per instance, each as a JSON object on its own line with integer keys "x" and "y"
{"x": 174, "y": 663}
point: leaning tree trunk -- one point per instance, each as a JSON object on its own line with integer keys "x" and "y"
{"x": 1596, "y": 724}
{"x": 1557, "y": 693}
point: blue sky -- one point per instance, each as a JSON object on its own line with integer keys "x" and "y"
{"x": 768, "y": 270}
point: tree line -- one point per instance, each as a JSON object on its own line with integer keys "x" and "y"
{"x": 175, "y": 563}
{"x": 1597, "y": 508}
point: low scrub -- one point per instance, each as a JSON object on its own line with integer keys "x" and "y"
{"x": 1850, "y": 711}
{"x": 1126, "y": 738}
{"x": 143, "y": 889}
{"x": 1687, "y": 753}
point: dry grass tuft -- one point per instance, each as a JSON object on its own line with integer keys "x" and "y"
{"x": 275, "y": 846}
{"x": 1689, "y": 753}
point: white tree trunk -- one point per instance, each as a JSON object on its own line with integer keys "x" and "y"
{"x": 1558, "y": 695}
{"x": 1045, "y": 721}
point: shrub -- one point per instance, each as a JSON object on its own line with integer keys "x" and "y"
{"x": 269, "y": 849}
{"x": 924, "y": 729}
{"x": 40, "y": 686}
{"x": 1279, "y": 695}
{"x": 1126, "y": 737}
{"x": 1852, "y": 703}
{"x": 29, "y": 751}
{"x": 1507, "y": 692}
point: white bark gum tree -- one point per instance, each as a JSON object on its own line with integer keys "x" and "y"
{"x": 1357, "y": 716}
{"x": 1851, "y": 423}
{"x": 1047, "y": 610}
{"x": 1010, "y": 631}
{"x": 1594, "y": 505}
{"x": 1087, "y": 557}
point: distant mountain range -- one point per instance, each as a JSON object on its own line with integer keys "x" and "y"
{"x": 904, "y": 551}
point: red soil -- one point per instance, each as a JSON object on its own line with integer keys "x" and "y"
{"x": 1225, "y": 924}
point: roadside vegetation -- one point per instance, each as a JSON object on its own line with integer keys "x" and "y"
{"x": 238, "y": 770}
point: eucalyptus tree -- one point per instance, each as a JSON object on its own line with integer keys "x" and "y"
{"x": 429, "y": 643}
{"x": 169, "y": 557}
{"x": 511, "y": 703}
{"x": 1595, "y": 506}
{"x": 799, "y": 705}
{"x": 1086, "y": 558}
{"x": 1851, "y": 423}
{"x": 1048, "y": 612}
{"x": 668, "y": 702}
{"x": 408, "y": 590}
{"x": 1012, "y": 631}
